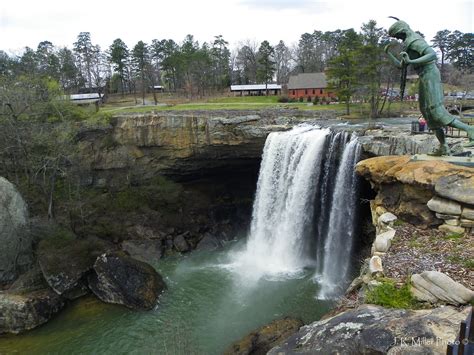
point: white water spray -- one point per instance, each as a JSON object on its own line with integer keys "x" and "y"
{"x": 284, "y": 204}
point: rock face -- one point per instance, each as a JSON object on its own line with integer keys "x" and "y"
{"x": 394, "y": 142}
{"x": 65, "y": 263}
{"x": 436, "y": 287}
{"x": 24, "y": 311}
{"x": 15, "y": 241}
{"x": 376, "y": 330}
{"x": 123, "y": 280}
{"x": 414, "y": 190}
{"x": 263, "y": 339}
{"x": 28, "y": 303}
{"x": 456, "y": 187}
{"x": 181, "y": 143}
{"x": 148, "y": 251}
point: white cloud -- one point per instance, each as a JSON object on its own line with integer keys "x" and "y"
{"x": 28, "y": 22}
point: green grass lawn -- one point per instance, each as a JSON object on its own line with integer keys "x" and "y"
{"x": 167, "y": 102}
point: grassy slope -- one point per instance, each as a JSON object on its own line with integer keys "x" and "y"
{"x": 168, "y": 102}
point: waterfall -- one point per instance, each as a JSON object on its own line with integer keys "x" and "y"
{"x": 278, "y": 243}
{"x": 342, "y": 218}
{"x": 304, "y": 210}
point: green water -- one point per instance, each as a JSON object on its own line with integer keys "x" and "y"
{"x": 207, "y": 306}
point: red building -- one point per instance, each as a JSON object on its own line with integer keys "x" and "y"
{"x": 308, "y": 85}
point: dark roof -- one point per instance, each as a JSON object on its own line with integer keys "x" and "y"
{"x": 308, "y": 81}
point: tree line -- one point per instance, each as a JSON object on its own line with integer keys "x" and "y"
{"x": 200, "y": 69}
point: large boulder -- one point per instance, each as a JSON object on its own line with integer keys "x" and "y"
{"x": 373, "y": 329}
{"x": 444, "y": 206}
{"x": 123, "y": 280}
{"x": 148, "y": 251}
{"x": 404, "y": 187}
{"x": 15, "y": 241}
{"x": 457, "y": 187}
{"x": 65, "y": 262}
{"x": 435, "y": 287}
{"x": 264, "y": 338}
{"x": 20, "y": 311}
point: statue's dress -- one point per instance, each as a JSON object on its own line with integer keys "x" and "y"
{"x": 431, "y": 98}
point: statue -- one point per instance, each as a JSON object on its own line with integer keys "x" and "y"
{"x": 423, "y": 58}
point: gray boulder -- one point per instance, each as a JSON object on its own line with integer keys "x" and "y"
{"x": 373, "y": 329}
{"x": 66, "y": 261}
{"x": 20, "y": 311}
{"x": 15, "y": 241}
{"x": 468, "y": 213}
{"x": 383, "y": 241}
{"x": 456, "y": 187}
{"x": 208, "y": 242}
{"x": 264, "y": 338}
{"x": 444, "y": 206}
{"x": 434, "y": 286}
{"x": 148, "y": 251}
{"x": 123, "y": 280}
{"x": 180, "y": 243}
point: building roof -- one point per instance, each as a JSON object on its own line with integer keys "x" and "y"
{"x": 93, "y": 96}
{"x": 307, "y": 81}
{"x": 254, "y": 87}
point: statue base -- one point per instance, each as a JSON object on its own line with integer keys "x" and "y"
{"x": 467, "y": 160}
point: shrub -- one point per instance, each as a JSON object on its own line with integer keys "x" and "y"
{"x": 308, "y": 99}
{"x": 300, "y": 99}
{"x": 283, "y": 99}
{"x": 388, "y": 295}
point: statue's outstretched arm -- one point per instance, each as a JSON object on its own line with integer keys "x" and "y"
{"x": 429, "y": 56}
{"x": 394, "y": 60}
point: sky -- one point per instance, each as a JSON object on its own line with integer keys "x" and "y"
{"x": 28, "y": 22}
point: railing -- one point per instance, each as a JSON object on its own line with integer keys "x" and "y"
{"x": 464, "y": 343}
{"x": 449, "y": 131}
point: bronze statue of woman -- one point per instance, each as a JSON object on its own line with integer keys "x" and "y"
{"x": 418, "y": 53}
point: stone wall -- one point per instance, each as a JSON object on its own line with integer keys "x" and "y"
{"x": 424, "y": 193}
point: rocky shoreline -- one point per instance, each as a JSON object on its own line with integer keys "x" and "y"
{"x": 434, "y": 266}
{"x": 200, "y": 157}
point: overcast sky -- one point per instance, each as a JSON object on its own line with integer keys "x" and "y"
{"x": 28, "y": 22}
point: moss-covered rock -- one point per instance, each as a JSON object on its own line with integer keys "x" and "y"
{"x": 65, "y": 261}
{"x": 123, "y": 280}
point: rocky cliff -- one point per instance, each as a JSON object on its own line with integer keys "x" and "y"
{"x": 424, "y": 193}
{"x": 182, "y": 144}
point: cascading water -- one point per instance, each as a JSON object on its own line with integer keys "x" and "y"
{"x": 342, "y": 218}
{"x": 305, "y": 208}
{"x": 283, "y": 209}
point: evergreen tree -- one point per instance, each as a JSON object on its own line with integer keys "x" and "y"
{"x": 344, "y": 67}
{"x": 141, "y": 64}
{"x": 266, "y": 64}
{"x": 84, "y": 51}
{"x": 118, "y": 56}
{"x": 371, "y": 63}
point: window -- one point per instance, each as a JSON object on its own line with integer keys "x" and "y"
{"x": 305, "y": 91}
{"x": 314, "y": 91}
{"x": 321, "y": 91}
{"x": 294, "y": 92}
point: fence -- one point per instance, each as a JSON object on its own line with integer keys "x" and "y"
{"x": 449, "y": 131}
{"x": 464, "y": 343}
